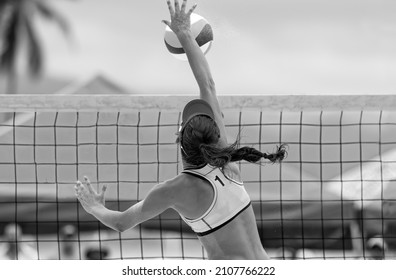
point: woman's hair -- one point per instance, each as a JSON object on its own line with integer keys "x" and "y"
{"x": 199, "y": 142}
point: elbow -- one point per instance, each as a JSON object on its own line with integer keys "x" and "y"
{"x": 120, "y": 227}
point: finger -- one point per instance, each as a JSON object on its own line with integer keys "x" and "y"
{"x": 177, "y": 6}
{"x": 167, "y": 22}
{"x": 104, "y": 188}
{"x": 102, "y": 194}
{"x": 77, "y": 188}
{"x": 77, "y": 193}
{"x": 78, "y": 185}
{"x": 89, "y": 186}
{"x": 171, "y": 10}
{"x": 192, "y": 9}
{"x": 184, "y": 4}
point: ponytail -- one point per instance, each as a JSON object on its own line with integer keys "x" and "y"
{"x": 219, "y": 157}
{"x": 199, "y": 145}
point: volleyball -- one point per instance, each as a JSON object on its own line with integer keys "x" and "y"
{"x": 202, "y": 32}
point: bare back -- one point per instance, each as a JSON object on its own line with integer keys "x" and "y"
{"x": 237, "y": 239}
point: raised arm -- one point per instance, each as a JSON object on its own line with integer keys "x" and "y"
{"x": 180, "y": 25}
{"x": 157, "y": 201}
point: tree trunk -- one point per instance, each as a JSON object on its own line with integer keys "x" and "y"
{"x": 12, "y": 86}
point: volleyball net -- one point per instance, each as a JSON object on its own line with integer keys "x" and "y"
{"x": 334, "y": 196}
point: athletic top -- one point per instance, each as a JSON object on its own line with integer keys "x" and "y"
{"x": 230, "y": 199}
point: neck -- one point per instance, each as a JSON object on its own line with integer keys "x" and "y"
{"x": 187, "y": 165}
{"x": 191, "y": 166}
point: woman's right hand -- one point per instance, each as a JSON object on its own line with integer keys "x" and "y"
{"x": 180, "y": 19}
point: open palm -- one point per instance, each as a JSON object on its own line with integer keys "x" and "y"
{"x": 88, "y": 197}
{"x": 180, "y": 18}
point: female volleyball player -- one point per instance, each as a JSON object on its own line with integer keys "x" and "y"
{"x": 208, "y": 194}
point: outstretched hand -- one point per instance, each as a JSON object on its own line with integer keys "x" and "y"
{"x": 180, "y": 19}
{"x": 88, "y": 197}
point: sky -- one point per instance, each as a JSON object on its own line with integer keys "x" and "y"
{"x": 260, "y": 46}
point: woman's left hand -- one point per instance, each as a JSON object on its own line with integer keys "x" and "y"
{"x": 88, "y": 197}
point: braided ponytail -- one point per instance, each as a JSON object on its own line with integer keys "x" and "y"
{"x": 220, "y": 157}
{"x": 215, "y": 156}
{"x": 199, "y": 144}
{"x": 252, "y": 155}
{"x": 279, "y": 155}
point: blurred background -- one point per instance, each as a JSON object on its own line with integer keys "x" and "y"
{"x": 262, "y": 46}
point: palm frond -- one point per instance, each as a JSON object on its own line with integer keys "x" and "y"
{"x": 17, "y": 26}
{"x": 48, "y": 12}
{"x": 10, "y": 42}
{"x": 3, "y": 3}
{"x": 35, "y": 56}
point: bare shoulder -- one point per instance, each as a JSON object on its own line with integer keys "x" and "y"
{"x": 165, "y": 195}
{"x": 173, "y": 188}
{"x": 232, "y": 171}
{"x": 176, "y": 182}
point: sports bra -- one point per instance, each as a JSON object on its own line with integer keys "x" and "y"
{"x": 230, "y": 199}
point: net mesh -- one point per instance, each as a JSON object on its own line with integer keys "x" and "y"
{"x": 334, "y": 196}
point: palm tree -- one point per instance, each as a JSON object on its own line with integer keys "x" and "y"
{"x": 17, "y": 33}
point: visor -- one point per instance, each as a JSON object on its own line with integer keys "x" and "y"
{"x": 194, "y": 108}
